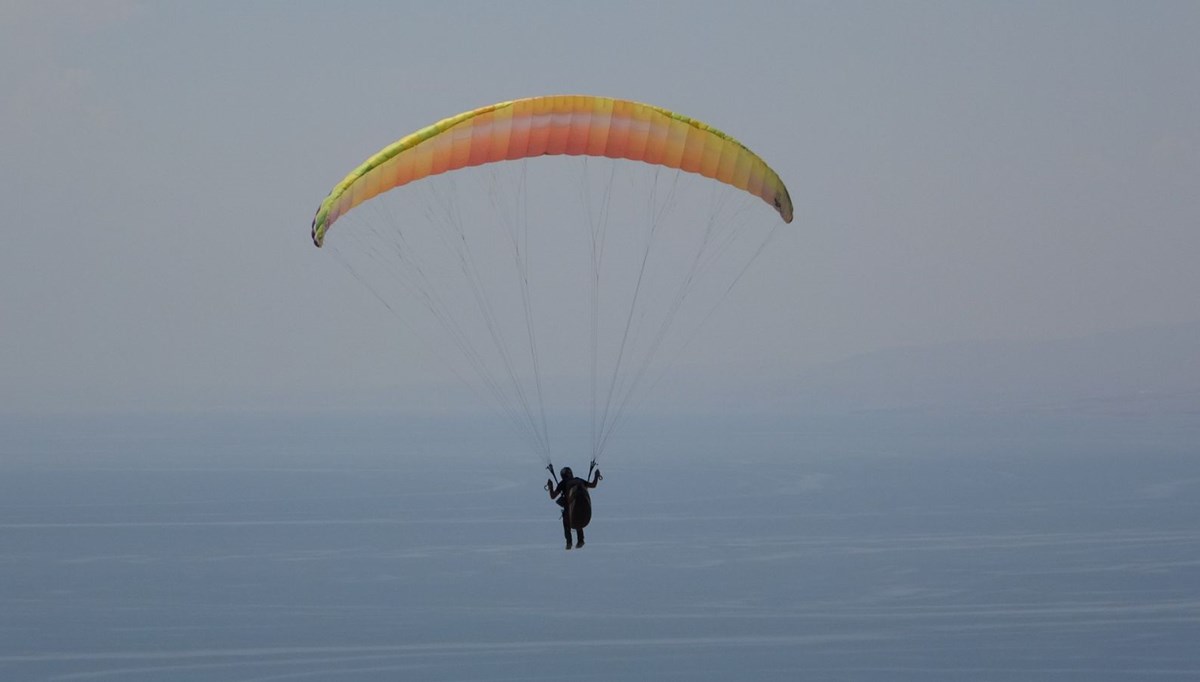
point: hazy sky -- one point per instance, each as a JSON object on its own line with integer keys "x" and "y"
{"x": 960, "y": 171}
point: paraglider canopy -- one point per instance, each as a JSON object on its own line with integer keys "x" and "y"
{"x": 573, "y": 125}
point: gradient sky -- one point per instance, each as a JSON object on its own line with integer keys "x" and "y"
{"x": 960, "y": 171}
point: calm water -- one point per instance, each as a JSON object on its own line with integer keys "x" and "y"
{"x": 878, "y": 547}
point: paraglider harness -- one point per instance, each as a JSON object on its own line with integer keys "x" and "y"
{"x": 575, "y": 500}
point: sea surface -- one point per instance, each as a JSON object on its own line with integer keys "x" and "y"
{"x": 884, "y": 546}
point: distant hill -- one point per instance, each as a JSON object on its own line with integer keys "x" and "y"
{"x": 1148, "y": 369}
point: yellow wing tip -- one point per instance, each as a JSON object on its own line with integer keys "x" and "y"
{"x": 318, "y": 235}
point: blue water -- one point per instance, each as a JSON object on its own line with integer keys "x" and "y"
{"x": 872, "y": 547}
